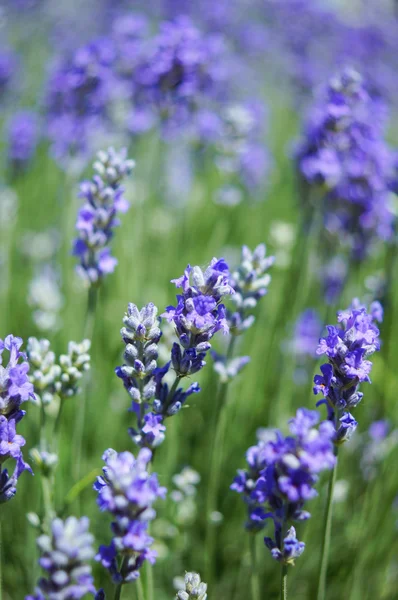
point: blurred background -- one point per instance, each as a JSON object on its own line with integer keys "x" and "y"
{"x": 215, "y": 136}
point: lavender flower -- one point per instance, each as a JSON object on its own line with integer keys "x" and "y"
{"x": 194, "y": 588}
{"x": 15, "y": 387}
{"x": 7, "y": 69}
{"x": 23, "y": 132}
{"x": 61, "y": 378}
{"x": 128, "y": 491}
{"x": 180, "y": 69}
{"x": 280, "y": 479}
{"x": 198, "y": 315}
{"x": 344, "y": 157}
{"x": 347, "y": 347}
{"x": 79, "y": 92}
{"x": 97, "y": 218}
{"x": 65, "y": 555}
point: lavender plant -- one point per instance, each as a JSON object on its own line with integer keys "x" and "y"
{"x": 194, "y": 588}
{"x": 128, "y": 491}
{"x": 279, "y": 481}
{"x": 15, "y": 388}
{"x": 97, "y": 218}
{"x": 344, "y": 157}
{"x": 199, "y": 314}
{"x": 65, "y": 556}
{"x": 348, "y": 347}
{"x": 23, "y": 136}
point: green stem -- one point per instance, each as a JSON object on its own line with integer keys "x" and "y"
{"x": 140, "y": 590}
{"x": 255, "y": 584}
{"x": 283, "y": 582}
{"x": 118, "y": 592}
{"x": 81, "y": 413}
{"x": 323, "y": 565}
{"x": 47, "y": 490}
{"x": 216, "y": 466}
{"x": 149, "y": 580}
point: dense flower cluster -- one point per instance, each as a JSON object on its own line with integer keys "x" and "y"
{"x": 61, "y": 378}
{"x": 348, "y": 347}
{"x": 15, "y": 388}
{"x": 23, "y": 133}
{"x": 281, "y": 476}
{"x": 250, "y": 281}
{"x": 195, "y": 589}
{"x": 128, "y": 492}
{"x": 103, "y": 200}
{"x": 344, "y": 155}
{"x": 199, "y": 314}
{"x": 180, "y": 70}
{"x": 78, "y": 96}
{"x": 65, "y": 555}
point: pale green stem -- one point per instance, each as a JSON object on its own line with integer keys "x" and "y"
{"x": 81, "y": 413}
{"x": 323, "y": 565}
{"x": 149, "y": 581}
{"x": 255, "y": 583}
{"x": 140, "y": 590}
{"x": 284, "y": 582}
{"x": 216, "y": 466}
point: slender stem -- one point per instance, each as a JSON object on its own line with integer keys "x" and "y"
{"x": 47, "y": 490}
{"x": 1, "y": 558}
{"x": 81, "y": 413}
{"x": 216, "y": 466}
{"x": 118, "y": 592}
{"x": 140, "y": 590}
{"x": 149, "y": 580}
{"x": 284, "y": 582}
{"x": 255, "y": 583}
{"x": 323, "y": 565}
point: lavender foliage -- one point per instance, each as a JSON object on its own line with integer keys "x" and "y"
{"x": 128, "y": 491}
{"x": 103, "y": 200}
{"x": 280, "y": 479}
{"x": 347, "y": 347}
{"x": 65, "y": 555}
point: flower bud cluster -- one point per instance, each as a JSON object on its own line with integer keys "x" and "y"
{"x": 128, "y": 491}
{"x": 15, "y": 388}
{"x": 195, "y": 589}
{"x": 65, "y": 555}
{"x": 347, "y": 347}
{"x": 103, "y": 200}
{"x": 281, "y": 476}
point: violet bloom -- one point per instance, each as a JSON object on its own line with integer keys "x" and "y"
{"x": 65, "y": 555}
{"x": 348, "y": 347}
{"x": 23, "y": 132}
{"x": 344, "y": 158}
{"x": 198, "y": 316}
{"x": 79, "y": 93}
{"x": 180, "y": 69}
{"x": 280, "y": 478}
{"x": 7, "y": 69}
{"x": 127, "y": 491}
{"x": 103, "y": 200}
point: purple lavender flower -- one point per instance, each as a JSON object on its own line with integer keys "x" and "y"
{"x": 15, "y": 387}
{"x": 65, "y": 555}
{"x": 97, "y": 218}
{"x": 198, "y": 315}
{"x": 128, "y": 491}
{"x": 79, "y": 93}
{"x": 344, "y": 156}
{"x": 281, "y": 476}
{"x": 8, "y": 65}
{"x": 23, "y": 132}
{"x": 347, "y": 346}
{"x": 180, "y": 68}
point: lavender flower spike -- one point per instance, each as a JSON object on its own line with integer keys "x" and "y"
{"x": 66, "y": 553}
{"x": 195, "y": 589}
{"x": 128, "y": 491}
{"x": 97, "y": 218}
{"x": 281, "y": 477}
{"x": 347, "y": 347}
{"x": 199, "y": 314}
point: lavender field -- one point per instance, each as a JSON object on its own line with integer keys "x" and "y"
{"x": 198, "y": 292}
